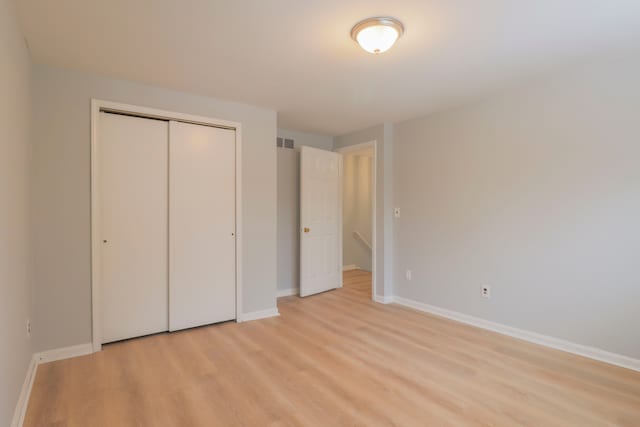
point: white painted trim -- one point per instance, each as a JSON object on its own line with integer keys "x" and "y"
{"x": 534, "y": 337}
{"x": 261, "y": 314}
{"x": 340, "y": 219}
{"x": 239, "y": 230}
{"x": 374, "y": 203}
{"x": 350, "y": 267}
{"x": 383, "y": 299}
{"x": 37, "y": 359}
{"x": 95, "y": 230}
{"x": 362, "y": 239}
{"x": 64, "y": 353}
{"x": 25, "y": 393}
{"x": 98, "y": 105}
{"x": 288, "y": 292}
{"x": 119, "y": 107}
{"x": 356, "y": 147}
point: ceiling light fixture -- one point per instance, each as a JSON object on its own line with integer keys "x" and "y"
{"x": 377, "y": 35}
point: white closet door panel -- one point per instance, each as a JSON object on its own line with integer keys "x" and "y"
{"x": 202, "y": 249}
{"x": 133, "y": 209}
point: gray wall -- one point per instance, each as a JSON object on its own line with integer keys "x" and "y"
{"x": 61, "y": 101}
{"x": 323, "y": 142}
{"x": 288, "y": 219}
{"x": 357, "y": 209}
{"x": 383, "y": 134}
{"x": 535, "y": 192}
{"x": 16, "y": 259}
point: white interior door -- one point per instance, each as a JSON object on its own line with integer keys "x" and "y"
{"x": 202, "y": 249}
{"x": 133, "y": 235}
{"x": 320, "y": 220}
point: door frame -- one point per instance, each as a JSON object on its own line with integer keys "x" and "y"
{"x": 98, "y": 106}
{"x": 374, "y": 203}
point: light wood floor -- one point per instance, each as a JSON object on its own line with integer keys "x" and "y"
{"x": 335, "y": 359}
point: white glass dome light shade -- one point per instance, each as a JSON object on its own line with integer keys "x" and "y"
{"x": 377, "y": 39}
{"x": 377, "y": 35}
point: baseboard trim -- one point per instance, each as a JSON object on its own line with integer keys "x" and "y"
{"x": 64, "y": 353}
{"x": 534, "y": 337}
{"x": 37, "y": 359}
{"x": 350, "y": 267}
{"x": 383, "y": 299}
{"x": 288, "y": 292}
{"x": 25, "y": 393}
{"x": 261, "y": 314}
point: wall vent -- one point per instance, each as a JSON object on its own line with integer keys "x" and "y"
{"x": 284, "y": 142}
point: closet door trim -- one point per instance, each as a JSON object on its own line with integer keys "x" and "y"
{"x": 97, "y": 106}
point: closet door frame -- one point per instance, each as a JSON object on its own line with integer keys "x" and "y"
{"x": 97, "y": 106}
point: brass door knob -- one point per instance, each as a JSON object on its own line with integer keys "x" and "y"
{"x": 306, "y": 229}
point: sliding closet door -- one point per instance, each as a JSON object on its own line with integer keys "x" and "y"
{"x": 133, "y": 236}
{"x": 202, "y": 249}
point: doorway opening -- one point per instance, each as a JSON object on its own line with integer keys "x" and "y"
{"x": 359, "y": 217}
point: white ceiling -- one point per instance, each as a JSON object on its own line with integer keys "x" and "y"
{"x": 296, "y": 56}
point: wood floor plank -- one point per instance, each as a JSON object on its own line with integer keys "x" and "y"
{"x": 334, "y": 359}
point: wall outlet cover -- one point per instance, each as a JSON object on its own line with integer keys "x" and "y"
{"x": 485, "y": 291}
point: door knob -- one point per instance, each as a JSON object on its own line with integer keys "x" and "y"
{"x": 306, "y": 229}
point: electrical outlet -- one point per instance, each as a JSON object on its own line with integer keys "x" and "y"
{"x": 408, "y": 275}
{"x": 396, "y": 212}
{"x": 28, "y": 328}
{"x": 485, "y": 291}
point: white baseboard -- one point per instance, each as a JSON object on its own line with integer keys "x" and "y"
{"x": 37, "y": 359}
{"x": 534, "y": 337}
{"x": 262, "y": 314}
{"x": 383, "y": 299}
{"x": 288, "y": 292}
{"x": 64, "y": 353}
{"x": 25, "y": 392}
{"x": 350, "y": 267}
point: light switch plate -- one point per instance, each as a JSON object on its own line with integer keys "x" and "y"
{"x": 396, "y": 212}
